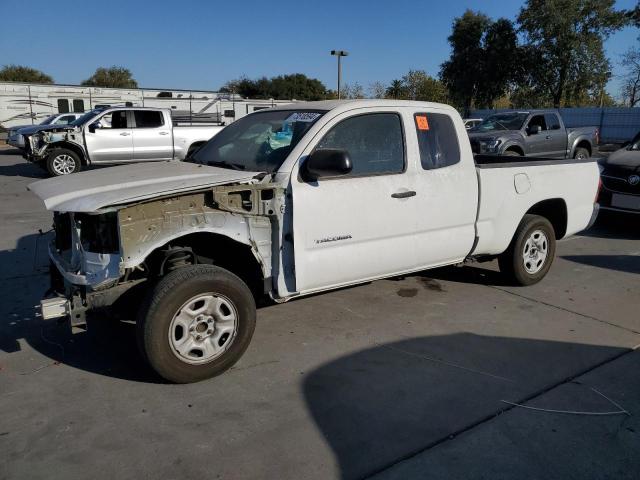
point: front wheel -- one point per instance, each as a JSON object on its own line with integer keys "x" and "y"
{"x": 196, "y": 323}
{"x": 531, "y": 252}
{"x": 62, "y": 161}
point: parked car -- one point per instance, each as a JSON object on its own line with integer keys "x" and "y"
{"x": 16, "y": 134}
{"x": 533, "y": 133}
{"x": 620, "y": 174}
{"x": 470, "y": 123}
{"x": 114, "y": 135}
{"x": 293, "y": 201}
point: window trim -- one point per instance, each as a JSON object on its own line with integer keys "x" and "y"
{"x": 364, "y": 175}
{"x": 134, "y": 123}
{"x": 455, "y": 131}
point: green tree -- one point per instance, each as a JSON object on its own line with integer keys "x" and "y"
{"x": 18, "y": 73}
{"x": 460, "y": 72}
{"x": 395, "y": 89}
{"x": 499, "y": 64}
{"x": 417, "y": 85}
{"x": 112, "y": 77}
{"x": 281, "y": 87}
{"x": 564, "y": 41}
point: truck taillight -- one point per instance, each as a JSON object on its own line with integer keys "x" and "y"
{"x": 595, "y": 200}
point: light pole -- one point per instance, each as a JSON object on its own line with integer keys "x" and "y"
{"x": 339, "y": 54}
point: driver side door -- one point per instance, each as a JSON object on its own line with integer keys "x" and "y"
{"x": 359, "y": 226}
{"x": 113, "y": 141}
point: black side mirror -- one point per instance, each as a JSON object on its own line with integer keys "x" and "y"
{"x": 93, "y": 126}
{"x": 326, "y": 162}
{"x": 535, "y": 129}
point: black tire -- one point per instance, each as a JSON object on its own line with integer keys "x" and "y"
{"x": 511, "y": 153}
{"x": 581, "y": 153}
{"x": 168, "y": 297}
{"x": 512, "y": 261}
{"x": 73, "y": 162}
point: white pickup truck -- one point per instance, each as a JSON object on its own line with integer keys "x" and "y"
{"x": 113, "y": 135}
{"x": 292, "y": 201}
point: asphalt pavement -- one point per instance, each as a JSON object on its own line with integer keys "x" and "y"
{"x": 405, "y": 378}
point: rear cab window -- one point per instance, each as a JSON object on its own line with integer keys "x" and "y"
{"x": 437, "y": 140}
{"x": 148, "y": 118}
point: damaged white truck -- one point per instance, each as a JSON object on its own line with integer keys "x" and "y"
{"x": 114, "y": 135}
{"x": 292, "y": 201}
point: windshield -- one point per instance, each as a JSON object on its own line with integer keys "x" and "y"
{"x": 85, "y": 117}
{"x": 259, "y": 142}
{"x": 635, "y": 143}
{"x": 48, "y": 120}
{"x": 502, "y": 121}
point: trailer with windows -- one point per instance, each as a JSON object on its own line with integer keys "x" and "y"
{"x": 293, "y": 201}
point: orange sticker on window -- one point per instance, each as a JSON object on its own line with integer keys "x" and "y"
{"x": 422, "y": 122}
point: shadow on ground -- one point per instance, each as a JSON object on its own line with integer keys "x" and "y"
{"x": 615, "y": 225}
{"x": 21, "y": 168}
{"x": 621, "y": 263}
{"x": 379, "y": 406}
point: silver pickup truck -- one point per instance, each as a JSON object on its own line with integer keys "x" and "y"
{"x": 533, "y": 133}
{"x": 114, "y": 135}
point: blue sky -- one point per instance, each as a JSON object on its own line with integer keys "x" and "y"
{"x": 201, "y": 44}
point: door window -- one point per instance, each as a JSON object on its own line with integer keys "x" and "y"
{"x": 374, "y": 142}
{"x": 553, "y": 123}
{"x": 63, "y": 105}
{"x": 537, "y": 120}
{"x": 148, "y": 119}
{"x": 117, "y": 119}
{"x": 437, "y": 140}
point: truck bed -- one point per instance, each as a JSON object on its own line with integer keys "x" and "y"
{"x": 509, "y": 186}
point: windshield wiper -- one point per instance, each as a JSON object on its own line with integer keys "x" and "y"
{"x": 222, "y": 163}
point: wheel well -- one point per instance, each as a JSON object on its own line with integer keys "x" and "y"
{"x": 584, "y": 144}
{"x": 70, "y": 146}
{"x": 209, "y": 248}
{"x": 554, "y": 210}
{"x": 515, "y": 148}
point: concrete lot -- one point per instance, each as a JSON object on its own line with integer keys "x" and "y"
{"x": 400, "y": 378}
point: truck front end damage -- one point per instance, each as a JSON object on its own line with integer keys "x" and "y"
{"x": 37, "y": 145}
{"x": 97, "y": 257}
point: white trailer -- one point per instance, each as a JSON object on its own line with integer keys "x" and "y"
{"x": 28, "y": 103}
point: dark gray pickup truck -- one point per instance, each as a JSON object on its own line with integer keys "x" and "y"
{"x": 539, "y": 133}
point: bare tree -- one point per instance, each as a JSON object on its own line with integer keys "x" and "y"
{"x": 352, "y": 91}
{"x": 631, "y": 79}
{"x": 377, "y": 90}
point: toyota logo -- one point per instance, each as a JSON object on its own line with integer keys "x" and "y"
{"x": 634, "y": 180}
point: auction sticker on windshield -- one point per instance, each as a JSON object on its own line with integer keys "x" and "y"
{"x": 302, "y": 117}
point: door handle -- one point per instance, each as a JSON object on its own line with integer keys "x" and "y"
{"x": 408, "y": 194}
{"x": 125, "y": 134}
{"x": 163, "y": 133}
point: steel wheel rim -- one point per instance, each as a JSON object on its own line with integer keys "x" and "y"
{"x": 203, "y": 328}
{"x": 535, "y": 252}
{"x": 64, "y": 164}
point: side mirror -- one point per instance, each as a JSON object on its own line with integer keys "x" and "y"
{"x": 327, "y": 162}
{"x": 535, "y": 129}
{"x": 94, "y": 126}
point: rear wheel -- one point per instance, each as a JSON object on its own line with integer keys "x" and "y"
{"x": 581, "y": 154}
{"x": 62, "y": 161}
{"x": 531, "y": 252}
{"x": 196, "y": 323}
